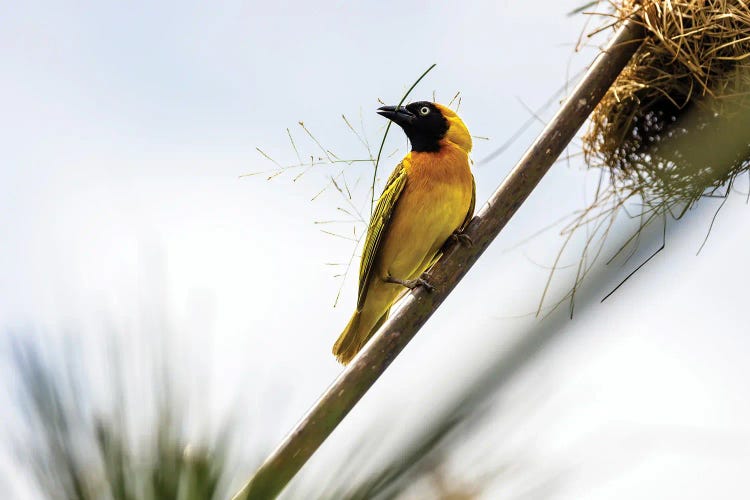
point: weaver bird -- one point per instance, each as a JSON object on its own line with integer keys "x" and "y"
{"x": 428, "y": 198}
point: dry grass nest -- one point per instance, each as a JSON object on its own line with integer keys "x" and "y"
{"x": 675, "y": 126}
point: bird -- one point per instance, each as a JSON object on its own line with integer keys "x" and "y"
{"x": 429, "y": 198}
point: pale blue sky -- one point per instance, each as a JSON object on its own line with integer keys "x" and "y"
{"x": 125, "y": 128}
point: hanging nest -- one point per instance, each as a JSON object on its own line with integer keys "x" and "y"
{"x": 675, "y": 125}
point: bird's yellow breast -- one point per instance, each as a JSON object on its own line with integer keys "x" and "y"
{"x": 434, "y": 203}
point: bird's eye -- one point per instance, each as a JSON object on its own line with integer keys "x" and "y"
{"x": 424, "y": 110}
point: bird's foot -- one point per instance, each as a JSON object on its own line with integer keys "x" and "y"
{"x": 462, "y": 238}
{"x": 412, "y": 284}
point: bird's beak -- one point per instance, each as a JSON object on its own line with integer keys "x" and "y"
{"x": 397, "y": 114}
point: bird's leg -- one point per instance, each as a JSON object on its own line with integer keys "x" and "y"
{"x": 462, "y": 238}
{"x": 412, "y": 284}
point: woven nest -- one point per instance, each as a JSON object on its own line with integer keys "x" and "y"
{"x": 675, "y": 125}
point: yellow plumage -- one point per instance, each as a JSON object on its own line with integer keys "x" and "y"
{"x": 429, "y": 196}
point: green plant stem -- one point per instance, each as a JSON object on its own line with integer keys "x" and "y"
{"x": 387, "y": 129}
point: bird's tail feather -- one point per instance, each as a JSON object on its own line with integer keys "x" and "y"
{"x": 355, "y": 336}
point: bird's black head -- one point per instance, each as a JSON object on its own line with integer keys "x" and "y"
{"x": 422, "y": 121}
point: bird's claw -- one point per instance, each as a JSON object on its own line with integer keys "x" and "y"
{"x": 412, "y": 284}
{"x": 462, "y": 238}
{"x": 424, "y": 281}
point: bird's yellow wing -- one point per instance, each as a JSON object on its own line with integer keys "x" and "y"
{"x": 470, "y": 213}
{"x": 378, "y": 226}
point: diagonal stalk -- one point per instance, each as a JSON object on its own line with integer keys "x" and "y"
{"x": 310, "y": 432}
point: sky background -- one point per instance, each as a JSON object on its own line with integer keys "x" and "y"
{"x": 125, "y": 129}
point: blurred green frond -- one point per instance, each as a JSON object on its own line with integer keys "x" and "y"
{"x": 78, "y": 452}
